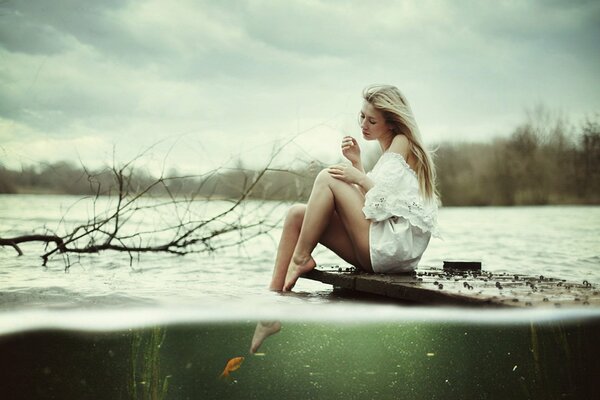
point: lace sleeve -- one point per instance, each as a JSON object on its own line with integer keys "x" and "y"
{"x": 396, "y": 194}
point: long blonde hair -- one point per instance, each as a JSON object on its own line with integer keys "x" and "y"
{"x": 398, "y": 115}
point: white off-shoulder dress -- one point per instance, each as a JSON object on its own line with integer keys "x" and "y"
{"x": 402, "y": 221}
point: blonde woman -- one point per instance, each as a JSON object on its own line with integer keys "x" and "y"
{"x": 379, "y": 221}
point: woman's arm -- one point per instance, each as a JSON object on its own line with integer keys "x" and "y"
{"x": 351, "y": 150}
{"x": 351, "y": 174}
{"x": 365, "y": 184}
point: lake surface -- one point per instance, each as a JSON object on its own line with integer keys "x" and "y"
{"x": 164, "y": 326}
{"x": 562, "y": 242}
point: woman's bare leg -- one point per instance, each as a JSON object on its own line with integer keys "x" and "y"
{"x": 287, "y": 244}
{"x": 263, "y": 330}
{"x": 334, "y": 238}
{"x": 329, "y": 195}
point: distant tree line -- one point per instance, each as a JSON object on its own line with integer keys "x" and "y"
{"x": 544, "y": 161}
{"x": 68, "y": 178}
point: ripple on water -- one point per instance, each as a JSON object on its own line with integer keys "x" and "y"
{"x": 549, "y": 241}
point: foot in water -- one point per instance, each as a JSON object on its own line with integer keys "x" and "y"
{"x": 263, "y": 330}
{"x": 297, "y": 267}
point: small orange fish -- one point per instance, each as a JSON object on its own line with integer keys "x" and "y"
{"x": 232, "y": 365}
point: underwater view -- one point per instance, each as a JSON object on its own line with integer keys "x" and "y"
{"x": 308, "y": 360}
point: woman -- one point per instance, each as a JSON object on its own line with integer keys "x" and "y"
{"x": 379, "y": 222}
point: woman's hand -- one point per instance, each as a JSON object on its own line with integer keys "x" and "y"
{"x": 346, "y": 173}
{"x": 351, "y": 150}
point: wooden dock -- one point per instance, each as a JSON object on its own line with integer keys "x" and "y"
{"x": 470, "y": 287}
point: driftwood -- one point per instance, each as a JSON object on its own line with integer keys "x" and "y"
{"x": 112, "y": 229}
{"x": 14, "y": 242}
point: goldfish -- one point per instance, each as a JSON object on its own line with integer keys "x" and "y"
{"x": 232, "y": 365}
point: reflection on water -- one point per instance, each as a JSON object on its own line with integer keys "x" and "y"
{"x": 314, "y": 360}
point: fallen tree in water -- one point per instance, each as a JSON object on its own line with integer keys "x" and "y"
{"x": 181, "y": 227}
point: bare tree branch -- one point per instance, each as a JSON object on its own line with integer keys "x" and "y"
{"x": 184, "y": 230}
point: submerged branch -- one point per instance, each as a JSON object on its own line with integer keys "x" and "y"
{"x": 15, "y": 241}
{"x": 179, "y": 228}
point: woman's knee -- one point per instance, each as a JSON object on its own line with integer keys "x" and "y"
{"x": 323, "y": 177}
{"x": 295, "y": 215}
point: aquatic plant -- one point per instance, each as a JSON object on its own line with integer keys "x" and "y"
{"x": 147, "y": 381}
{"x": 553, "y": 345}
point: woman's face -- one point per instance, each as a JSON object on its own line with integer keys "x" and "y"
{"x": 372, "y": 122}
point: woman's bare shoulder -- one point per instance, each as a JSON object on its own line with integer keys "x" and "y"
{"x": 400, "y": 145}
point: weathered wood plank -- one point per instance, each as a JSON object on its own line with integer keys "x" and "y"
{"x": 463, "y": 265}
{"x": 463, "y": 287}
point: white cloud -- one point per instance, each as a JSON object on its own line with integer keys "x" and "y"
{"x": 222, "y": 78}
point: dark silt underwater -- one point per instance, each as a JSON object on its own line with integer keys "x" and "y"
{"x": 313, "y": 360}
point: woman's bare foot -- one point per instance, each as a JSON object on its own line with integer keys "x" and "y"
{"x": 263, "y": 330}
{"x": 298, "y": 266}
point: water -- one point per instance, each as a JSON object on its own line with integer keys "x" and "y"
{"x": 307, "y": 361}
{"x": 163, "y": 326}
{"x": 562, "y": 242}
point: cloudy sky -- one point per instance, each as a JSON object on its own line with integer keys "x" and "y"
{"x": 205, "y": 81}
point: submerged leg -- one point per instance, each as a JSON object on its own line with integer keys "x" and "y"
{"x": 263, "y": 330}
